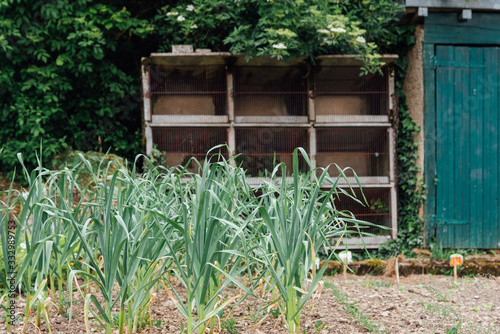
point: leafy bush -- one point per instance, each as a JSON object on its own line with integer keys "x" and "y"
{"x": 283, "y": 29}
{"x": 60, "y": 82}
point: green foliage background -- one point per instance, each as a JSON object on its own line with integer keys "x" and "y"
{"x": 283, "y": 29}
{"x": 66, "y": 78}
{"x": 69, "y": 70}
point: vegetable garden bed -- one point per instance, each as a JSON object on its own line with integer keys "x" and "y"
{"x": 419, "y": 304}
{"x": 209, "y": 231}
{"x": 166, "y": 253}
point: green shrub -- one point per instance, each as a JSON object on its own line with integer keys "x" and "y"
{"x": 60, "y": 80}
{"x": 283, "y": 29}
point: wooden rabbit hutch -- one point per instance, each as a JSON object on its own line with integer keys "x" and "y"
{"x": 264, "y": 108}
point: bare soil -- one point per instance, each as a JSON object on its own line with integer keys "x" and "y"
{"x": 419, "y": 304}
{"x": 427, "y": 303}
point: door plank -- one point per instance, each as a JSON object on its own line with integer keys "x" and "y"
{"x": 476, "y": 148}
{"x": 444, "y": 141}
{"x": 491, "y": 147}
{"x": 461, "y": 149}
{"x": 430, "y": 89}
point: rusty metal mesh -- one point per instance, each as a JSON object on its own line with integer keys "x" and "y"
{"x": 375, "y": 211}
{"x": 363, "y": 149}
{"x": 191, "y": 89}
{"x": 180, "y": 144}
{"x": 342, "y": 91}
{"x": 262, "y": 148}
{"x": 270, "y": 91}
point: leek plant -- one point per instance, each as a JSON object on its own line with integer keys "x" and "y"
{"x": 145, "y": 252}
{"x": 9, "y": 241}
{"x": 125, "y": 240}
{"x": 111, "y": 235}
{"x": 298, "y": 219}
{"x": 212, "y": 228}
{"x": 35, "y": 220}
{"x": 66, "y": 239}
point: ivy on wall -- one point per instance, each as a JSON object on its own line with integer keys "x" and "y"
{"x": 411, "y": 188}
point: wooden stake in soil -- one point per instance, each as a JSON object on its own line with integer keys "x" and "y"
{"x": 346, "y": 258}
{"x": 455, "y": 260}
{"x": 397, "y": 269}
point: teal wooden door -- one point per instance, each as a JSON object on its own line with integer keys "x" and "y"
{"x": 467, "y": 146}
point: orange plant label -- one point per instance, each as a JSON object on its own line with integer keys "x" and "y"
{"x": 456, "y": 260}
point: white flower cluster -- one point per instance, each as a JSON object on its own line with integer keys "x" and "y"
{"x": 323, "y": 31}
{"x": 279, "y": 46}
{"x": 180, "y": 18}
{"x": 172, "y": 13}
{"x": 190, "y": 8}
{"x": 340, "y": 30}
{"x": 360, "y": 39}
{"x": 194, "y": 26}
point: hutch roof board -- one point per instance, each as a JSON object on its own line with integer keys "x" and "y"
{"x": 454, "y": 4}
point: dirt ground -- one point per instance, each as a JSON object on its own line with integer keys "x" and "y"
{"x": 427, "y": 303}
{"x": 419, "y": 304}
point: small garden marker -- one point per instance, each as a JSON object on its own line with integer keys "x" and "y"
{"x": 397, "y": 269}
{"x": 346, "y": 258}
{"x": 455, "y": 260}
